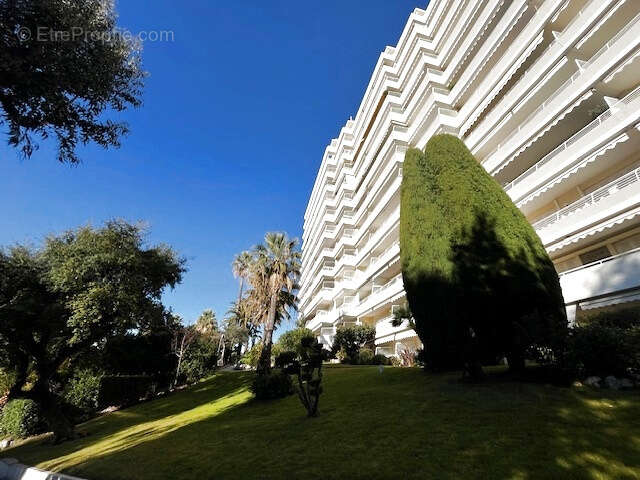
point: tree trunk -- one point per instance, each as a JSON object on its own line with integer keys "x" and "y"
{"x": 264, "y": 364}
{"x": 240, "y": 292}
{"x": 52, "y": 411}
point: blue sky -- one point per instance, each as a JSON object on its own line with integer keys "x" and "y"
{"x": 237, "y": 113}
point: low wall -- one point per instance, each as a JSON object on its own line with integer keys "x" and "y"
{"x": 10, "y": 469}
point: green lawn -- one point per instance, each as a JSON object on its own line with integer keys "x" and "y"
{"x": 401, "y": 423}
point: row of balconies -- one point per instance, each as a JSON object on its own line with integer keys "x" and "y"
{"x": 357, "y": 127}
{"x": 565, "y": 97}
{"x": 363, "y": 216}
{"x": 578, "y": 148}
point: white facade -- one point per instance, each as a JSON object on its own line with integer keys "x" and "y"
{"x": 545, "y": 93}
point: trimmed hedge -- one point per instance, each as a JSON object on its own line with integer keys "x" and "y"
{"x": 21, "y": 418}
{"x": 478, "y": 280}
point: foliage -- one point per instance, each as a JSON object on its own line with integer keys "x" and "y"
{"x": 252, "y": 356}
{"x": 478, "y": 280}
{"x": 55, "y": 87}
{"x": 403, "y": 314}
{"x": 349, "y": 340}
{"x": 379, "y": 359}
{"x": 407, "y": 357}
{"x": 119, "y": 390}
{"x": 291, "y": 341}
{"x": 7, "y": 380}
{"x": 200, "y": 360}
{"x": 82, "y": 289}
{"x": 620, "y": 316}
{"x": 83, "y": 392}
{"x": 306, "y": 365}
{"x": 365, "y": 356}
{"x": 21, "y": 418}
{"x": 272, "y": 385}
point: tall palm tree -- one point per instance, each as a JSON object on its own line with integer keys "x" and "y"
{"x": 274, "y": 277}
{"x": 241, "y": 266}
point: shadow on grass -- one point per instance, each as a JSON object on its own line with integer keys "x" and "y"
{"x": 399, "y": 423}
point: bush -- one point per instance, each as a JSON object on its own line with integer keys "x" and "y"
{"x": 365, "y": 356}
{"x": 252, "y": 356}
{"x": 199, "y": 361}
{"x": 275, "y": 384}
{"x": 602, "y": 349}
{"x": 290, "y": 341}
{"x": 349, "y": 340}
{"x": 478, "y": 279}
{"x": 83, "y": 391}
{"x": 380, "y": 359}
{"x": 21, "y": 418}
{"x": 285, "y": 358}
{"x": 123, "y": 389}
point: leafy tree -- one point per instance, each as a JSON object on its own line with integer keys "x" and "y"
{"x": 52, "y": 86}
{"x": 351, "y": 339}
{"x": 79, "y": 290}
{"x": 291, "y": 341}
{"x": 478, "y": 280}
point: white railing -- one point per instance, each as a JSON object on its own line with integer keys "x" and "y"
{"x": 599, "y": 262}
{"x": 564, "y": 86}
{"x": 574, "y": 138}
{"x": 590, "y": 199}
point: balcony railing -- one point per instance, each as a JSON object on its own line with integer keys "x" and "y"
{"x": 573, "y": 139}
{"x": 559, "y": 91}
{"x": 591, "y": 199}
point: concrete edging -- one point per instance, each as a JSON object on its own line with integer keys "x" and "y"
{"x": 10, "y": 469}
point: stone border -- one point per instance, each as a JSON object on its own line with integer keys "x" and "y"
{"x": 10, "y": 469}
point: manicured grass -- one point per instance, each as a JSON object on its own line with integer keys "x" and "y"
{"x": 401, "y": 423}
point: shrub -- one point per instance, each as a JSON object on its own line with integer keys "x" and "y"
{"x": 380, "y": 359}
{"x": 307, "y": 367}
{"x": 199, "y": 360}
{"x": 349, "y": 340}
{"x": 285, "y": 358}
{"x": 290, "y": 341}
{"x": 123, "y": 389}
{"x": 365, "y": 356}
{"x": 252, "y": 356}
{"x": 83, "y": 391}
{"x": 21, "y": 418}
{"x": 276, "y": 384}
{"x": 478, "y": 280}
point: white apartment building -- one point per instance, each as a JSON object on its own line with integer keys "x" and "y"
{"x": 545, "y": 93}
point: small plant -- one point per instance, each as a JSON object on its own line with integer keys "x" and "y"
{"x": 83, "y": 392}
{"x": 21, "y": 418}
{"x": 307, "y": 367}
{"x": 407, "y": 357}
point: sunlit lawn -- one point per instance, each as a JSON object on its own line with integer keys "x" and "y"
{"x": 401, "y": 423}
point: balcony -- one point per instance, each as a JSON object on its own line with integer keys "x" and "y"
{"x": 604, "y": 277}
{"x": 570, "y": 93}
{"x": 601, "y": 204}
{"x": 617, "y": 118}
